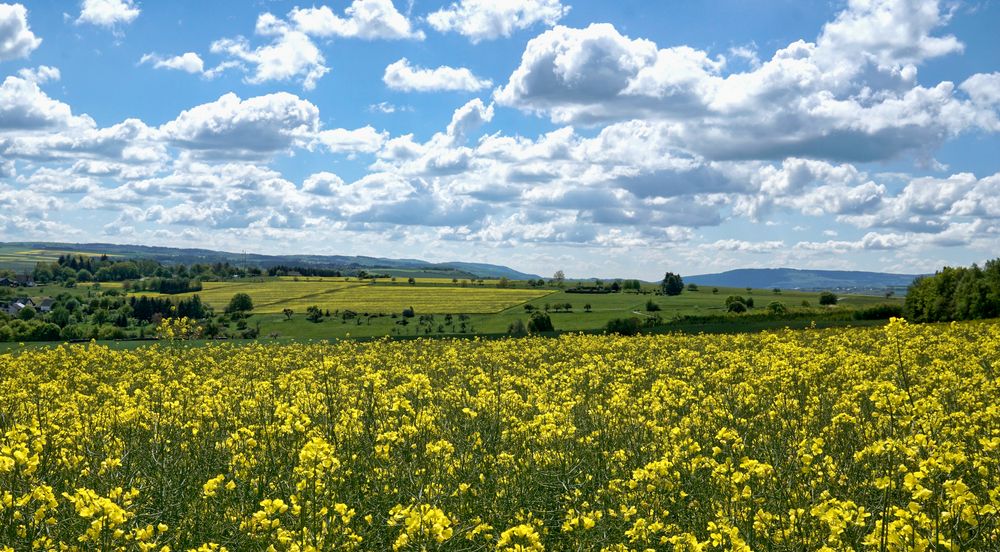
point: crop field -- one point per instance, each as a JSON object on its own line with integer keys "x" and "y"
{"x": 437, "y": 300}
{"x": 402, "y": 281}
{"x": 845, "y": 439}
{"x": 271, "y": 297}
{"x": 20, "y": 259}
{"x": 268, "y": 296}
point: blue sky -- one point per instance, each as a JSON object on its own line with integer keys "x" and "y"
{"x": 601, "y": 138}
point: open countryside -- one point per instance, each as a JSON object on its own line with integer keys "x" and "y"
{"x": 499, "y": 276}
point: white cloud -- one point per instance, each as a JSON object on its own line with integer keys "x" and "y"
{"x": 189, "y": 62}
{"x": 40, "y": 75}
{"x": 488, "y": 19}
{"x": 253, "y": 128}
{"x": 367, "y": 19}
{"x": 388, "y": 108}
{"x": 291, "y": 55}
{"x": 360, "y": 140}
{"x": 108, "y": 13}
{"x": 822, "y": 99}
{"x": 400, "y": 75}
{"x": 24, "y": 106}
{"x": 467, "y": 118}
{"x": 983, "y": 88}
{"x": 891, "y": 33}
{"x": 16, "y": 38}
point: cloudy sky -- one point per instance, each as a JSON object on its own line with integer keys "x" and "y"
{"x": 617, "y": 138}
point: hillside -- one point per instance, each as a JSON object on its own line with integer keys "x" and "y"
{"x": 791, "y": 278}
{"x": 400, "y": 267}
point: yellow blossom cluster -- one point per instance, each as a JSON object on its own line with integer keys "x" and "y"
{"x": 845, "y": 439}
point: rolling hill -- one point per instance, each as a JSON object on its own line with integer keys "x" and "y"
{"x": 791, "y": 278}
{"x": 401, "y": 267}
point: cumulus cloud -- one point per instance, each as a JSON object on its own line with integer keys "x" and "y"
{"x": 467, "y": 118}
{"x": 400, "y": 75}
{"x": 16, "y": 38}
{"x": 231, "y": 127}
{"x": 108, "y": 13}
{"x": 983, "y": 88}
{"x": 340, "y": 140}
{"x": 367, "y": 19}
{"x": 488, "y": 20}
{"x": 40, "y": 75}
{"x": 189, "y": 62}
{"x": 24, "y": 106}
{"x": 823, "y": 99}
{"x": 291, "y": 55}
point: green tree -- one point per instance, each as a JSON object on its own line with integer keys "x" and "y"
{"x": 672, "y": 284}
{"x": 240, "y": 304}
{"x": 27, "y": 313}
{"x": 288, "y": 313}
{"x": 314, "y": 314}
{"x": 828, "y": 298}
{"x": 540, "y": 322}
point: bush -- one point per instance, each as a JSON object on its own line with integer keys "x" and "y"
{"x": 827, "y": 298}
{"x": 408, "y": 312}
{"x": 879, "y": 312}
{"x": 651, "y": 306}
{"x": 624, "y": 326}
{"x": 776, "y": 308}
{"x": 314, "y": 314}
{"x": 737, "y": 307}
{"x": 27, "y": 313}
{"x": 540, "y": 322}
{"x": 516, "y": 328}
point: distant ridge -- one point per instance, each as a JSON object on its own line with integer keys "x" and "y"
{"x": 458, "y": 270}
{"x": 792, "y": 278}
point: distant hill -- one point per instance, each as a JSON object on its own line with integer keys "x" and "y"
{"x": 458, "y": 270}
{"x": 791, "y": 278}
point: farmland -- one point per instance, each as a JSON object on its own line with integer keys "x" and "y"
{"x": 273, "y": 296}
{"x": 21, "y": 259}
{"x": 794, "y": 440}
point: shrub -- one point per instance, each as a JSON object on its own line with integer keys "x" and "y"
{"x": 540, "y": 322}
{"x": 651, "y": 306}
{"x": 776, "y": 308}
{"x": 737, "y": 307}
{"x": 624, "y": 326}
{"x": 516, "y": 328}
{"x": 879, "y": 312}
{"x": 827, "y": 298}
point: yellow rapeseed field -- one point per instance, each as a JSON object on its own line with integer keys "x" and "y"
{"x": 865, "y": 439}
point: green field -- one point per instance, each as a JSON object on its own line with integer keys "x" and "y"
{"x": 604, "y": 307}
{"x": 20, "y": 259}
{"x": 273, "y": 296}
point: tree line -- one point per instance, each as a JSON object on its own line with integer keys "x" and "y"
{"x": 963, "y": 293}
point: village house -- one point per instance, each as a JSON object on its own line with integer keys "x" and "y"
{"x": 15, "y": 305}
{"x": 44, "y": 304}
